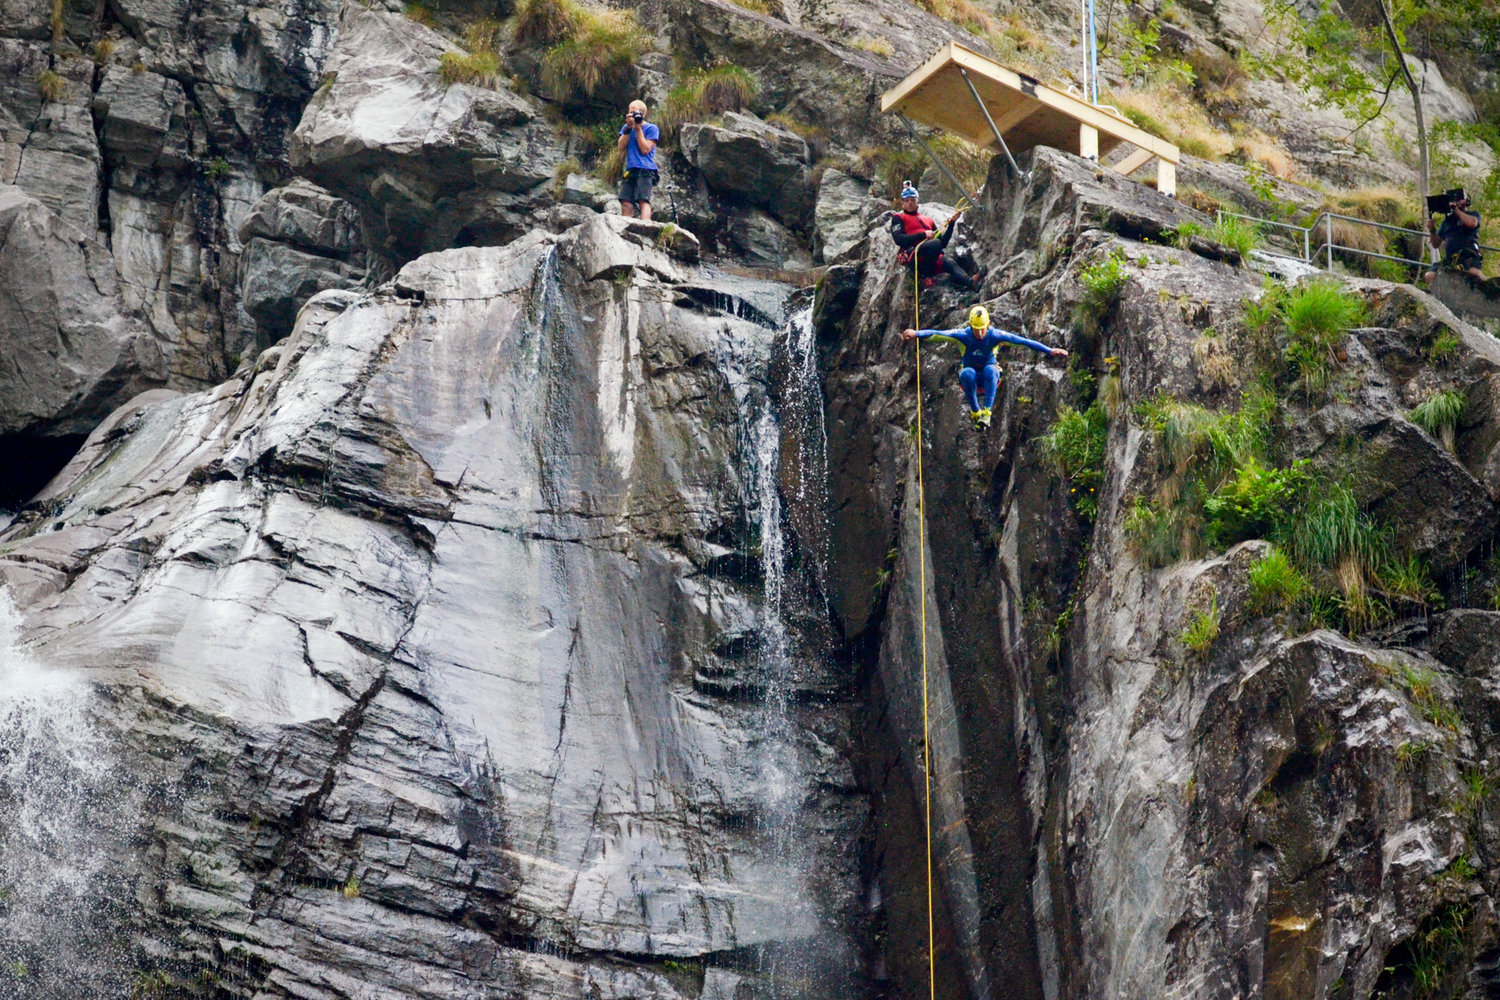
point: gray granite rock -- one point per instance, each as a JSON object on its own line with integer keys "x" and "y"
{"x": 759, "y": 164}
{"x": 73, "y": 354}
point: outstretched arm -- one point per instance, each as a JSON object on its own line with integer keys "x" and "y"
{"x": 910, "y": 334}
{"x": 1011, "y": 338}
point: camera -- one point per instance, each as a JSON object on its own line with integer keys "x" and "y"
{"x": 1444, "y": 203}
{"x": 637, "y": 116}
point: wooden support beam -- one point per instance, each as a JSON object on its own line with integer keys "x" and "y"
{"x": 1134, "y": 161}
{"x": 1166, "y": 178}
{"x": 1088, "y": 142}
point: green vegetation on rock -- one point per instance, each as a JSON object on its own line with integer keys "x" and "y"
{"x": 1075, "y": 448}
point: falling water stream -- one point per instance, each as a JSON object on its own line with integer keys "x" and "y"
{"x": 64, "y": 885}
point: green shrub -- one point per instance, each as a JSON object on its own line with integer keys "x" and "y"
{"x": 1075, "y": 448}
{"x": 1203, "y": 627}
{"x": 1237, "y": 234}
{"x": 217, "y": 170}
{"x": 1316, "y": 315}
{"x": 1102, "y": 284}
{"x": 1275, "y": 581}
{"x": 1439, "y": 415}
{"x": 1254, "y": 501}
{"x": 51, "y": 86}
{"x": 481, "y": 69}
{"x": 601, "y": 46}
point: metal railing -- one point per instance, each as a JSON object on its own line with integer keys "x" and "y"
{"x": 1326, "y": 249}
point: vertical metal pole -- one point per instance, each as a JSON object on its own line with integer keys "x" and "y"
{"x": 1307, "y": 245}
{"x": 1328, "y": 234}
{"x": 1093, "y": 56}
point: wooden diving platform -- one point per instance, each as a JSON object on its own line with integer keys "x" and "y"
{"x": 1024, "y": 110}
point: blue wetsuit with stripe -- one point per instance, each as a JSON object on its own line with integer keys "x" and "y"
{"x": 981, "y": 369}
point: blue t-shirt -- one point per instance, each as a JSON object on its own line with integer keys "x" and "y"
{"x": 634, "y": 158}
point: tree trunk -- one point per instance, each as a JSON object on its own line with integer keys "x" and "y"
{"x": 1416, "y": 95}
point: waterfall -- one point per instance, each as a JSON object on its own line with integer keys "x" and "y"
{"x": 817, "y": 958}
{"x": 65, "y": 897}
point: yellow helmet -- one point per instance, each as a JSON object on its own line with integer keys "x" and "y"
{"x": 979, "y": 317}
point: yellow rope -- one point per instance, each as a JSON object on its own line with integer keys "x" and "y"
{"x": 916, "y": 299}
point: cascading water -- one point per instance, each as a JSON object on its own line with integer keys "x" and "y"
{"x": 65, "y": 893}
{"x": 820, "y": 949}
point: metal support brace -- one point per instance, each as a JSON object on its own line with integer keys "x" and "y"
{"x": 986, "y": 111}
{"x": 973, "y": 198}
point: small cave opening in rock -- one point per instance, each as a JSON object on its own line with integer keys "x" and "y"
{"x": 29, "y": 461}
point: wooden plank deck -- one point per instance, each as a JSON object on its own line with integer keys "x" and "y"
{"x": 1026, "y": 111}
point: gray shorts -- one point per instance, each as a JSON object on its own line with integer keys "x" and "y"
{"x": 637, "y": 185}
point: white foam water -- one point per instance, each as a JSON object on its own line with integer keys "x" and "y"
{"x": 62, "y": 888}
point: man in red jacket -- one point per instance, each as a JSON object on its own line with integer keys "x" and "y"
{"x": 917, "y": 234}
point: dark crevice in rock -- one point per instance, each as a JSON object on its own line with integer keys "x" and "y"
{"x": 29, "y": 461}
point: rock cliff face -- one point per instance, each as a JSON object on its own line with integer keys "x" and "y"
{"x": 453, "y": 656}
{"x": 451, "y": 591}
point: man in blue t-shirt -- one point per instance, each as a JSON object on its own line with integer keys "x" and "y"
{"x": 638, "y": 139}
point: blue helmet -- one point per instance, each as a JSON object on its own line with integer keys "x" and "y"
{"x": 907, "y": 190}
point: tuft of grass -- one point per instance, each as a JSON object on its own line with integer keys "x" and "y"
{"x": 1421, "y": 685}
{"x": 565, "y": 169}
{"x": 1443, "y": 347}
{"x": 482, "y": 69}
{"x": 51, "y": 86}
{"x": 1410, "y": 754}
{"x": 875, "y": 46}
{"x": 1214, "y": 360}
{"x": 1410, "y": 579}
{"x": 601, "y": 46}
{"x": 1236, "y": 234}
{"x": 1439, "y": 415}
{"x": 964, "y": 13}
{"x": 103, "y": 48}
{"x": 1102, "y": 283}
{"x": 1332, "y": 532}
{"x": 483, "y": 35}
{"x": 1316, "y": 315}
{"x": 420, "y": 13}
{"x": 611, "y": 166}
{"x": 758, "y": 6}
{"x": 544, "y": 23}
{"x": 1203, "y": 627}
{"x": 217, "y": 170}
{"x": 351, "y": 887}
{"x": 1275, "y": 582}
{"x": 1439, "y": 953}
{"x": 1164, "y": 110}
{"x": 721, "y": 88}
{"x": 1075, "y": 448}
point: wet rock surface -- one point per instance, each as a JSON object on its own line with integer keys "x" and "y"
{"x": 403, "y": 533}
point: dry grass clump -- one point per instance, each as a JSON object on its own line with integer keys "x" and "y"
{"x": 964, "y": 13}
{"x": 543, "y": 23}
{"x": 767, "y": 7}
{"x": 1257, "y": 147}
{"x": 1217, "y": 79}
{"x": 102, "y": 50}
{"x": 598, "y": 45}
{"x": 875, "y": 46}
{"x": 481, "y": 69}
{"x": 815, "y": 137}
{"x": 420, "y": 13}
{"x": 1165, "y": 111}
{"x": 51, "y": 86}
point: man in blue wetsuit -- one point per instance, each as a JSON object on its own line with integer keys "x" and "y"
{"x": 981, "y": 369}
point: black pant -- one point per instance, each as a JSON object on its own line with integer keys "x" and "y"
{"x": 927, "y": 261}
